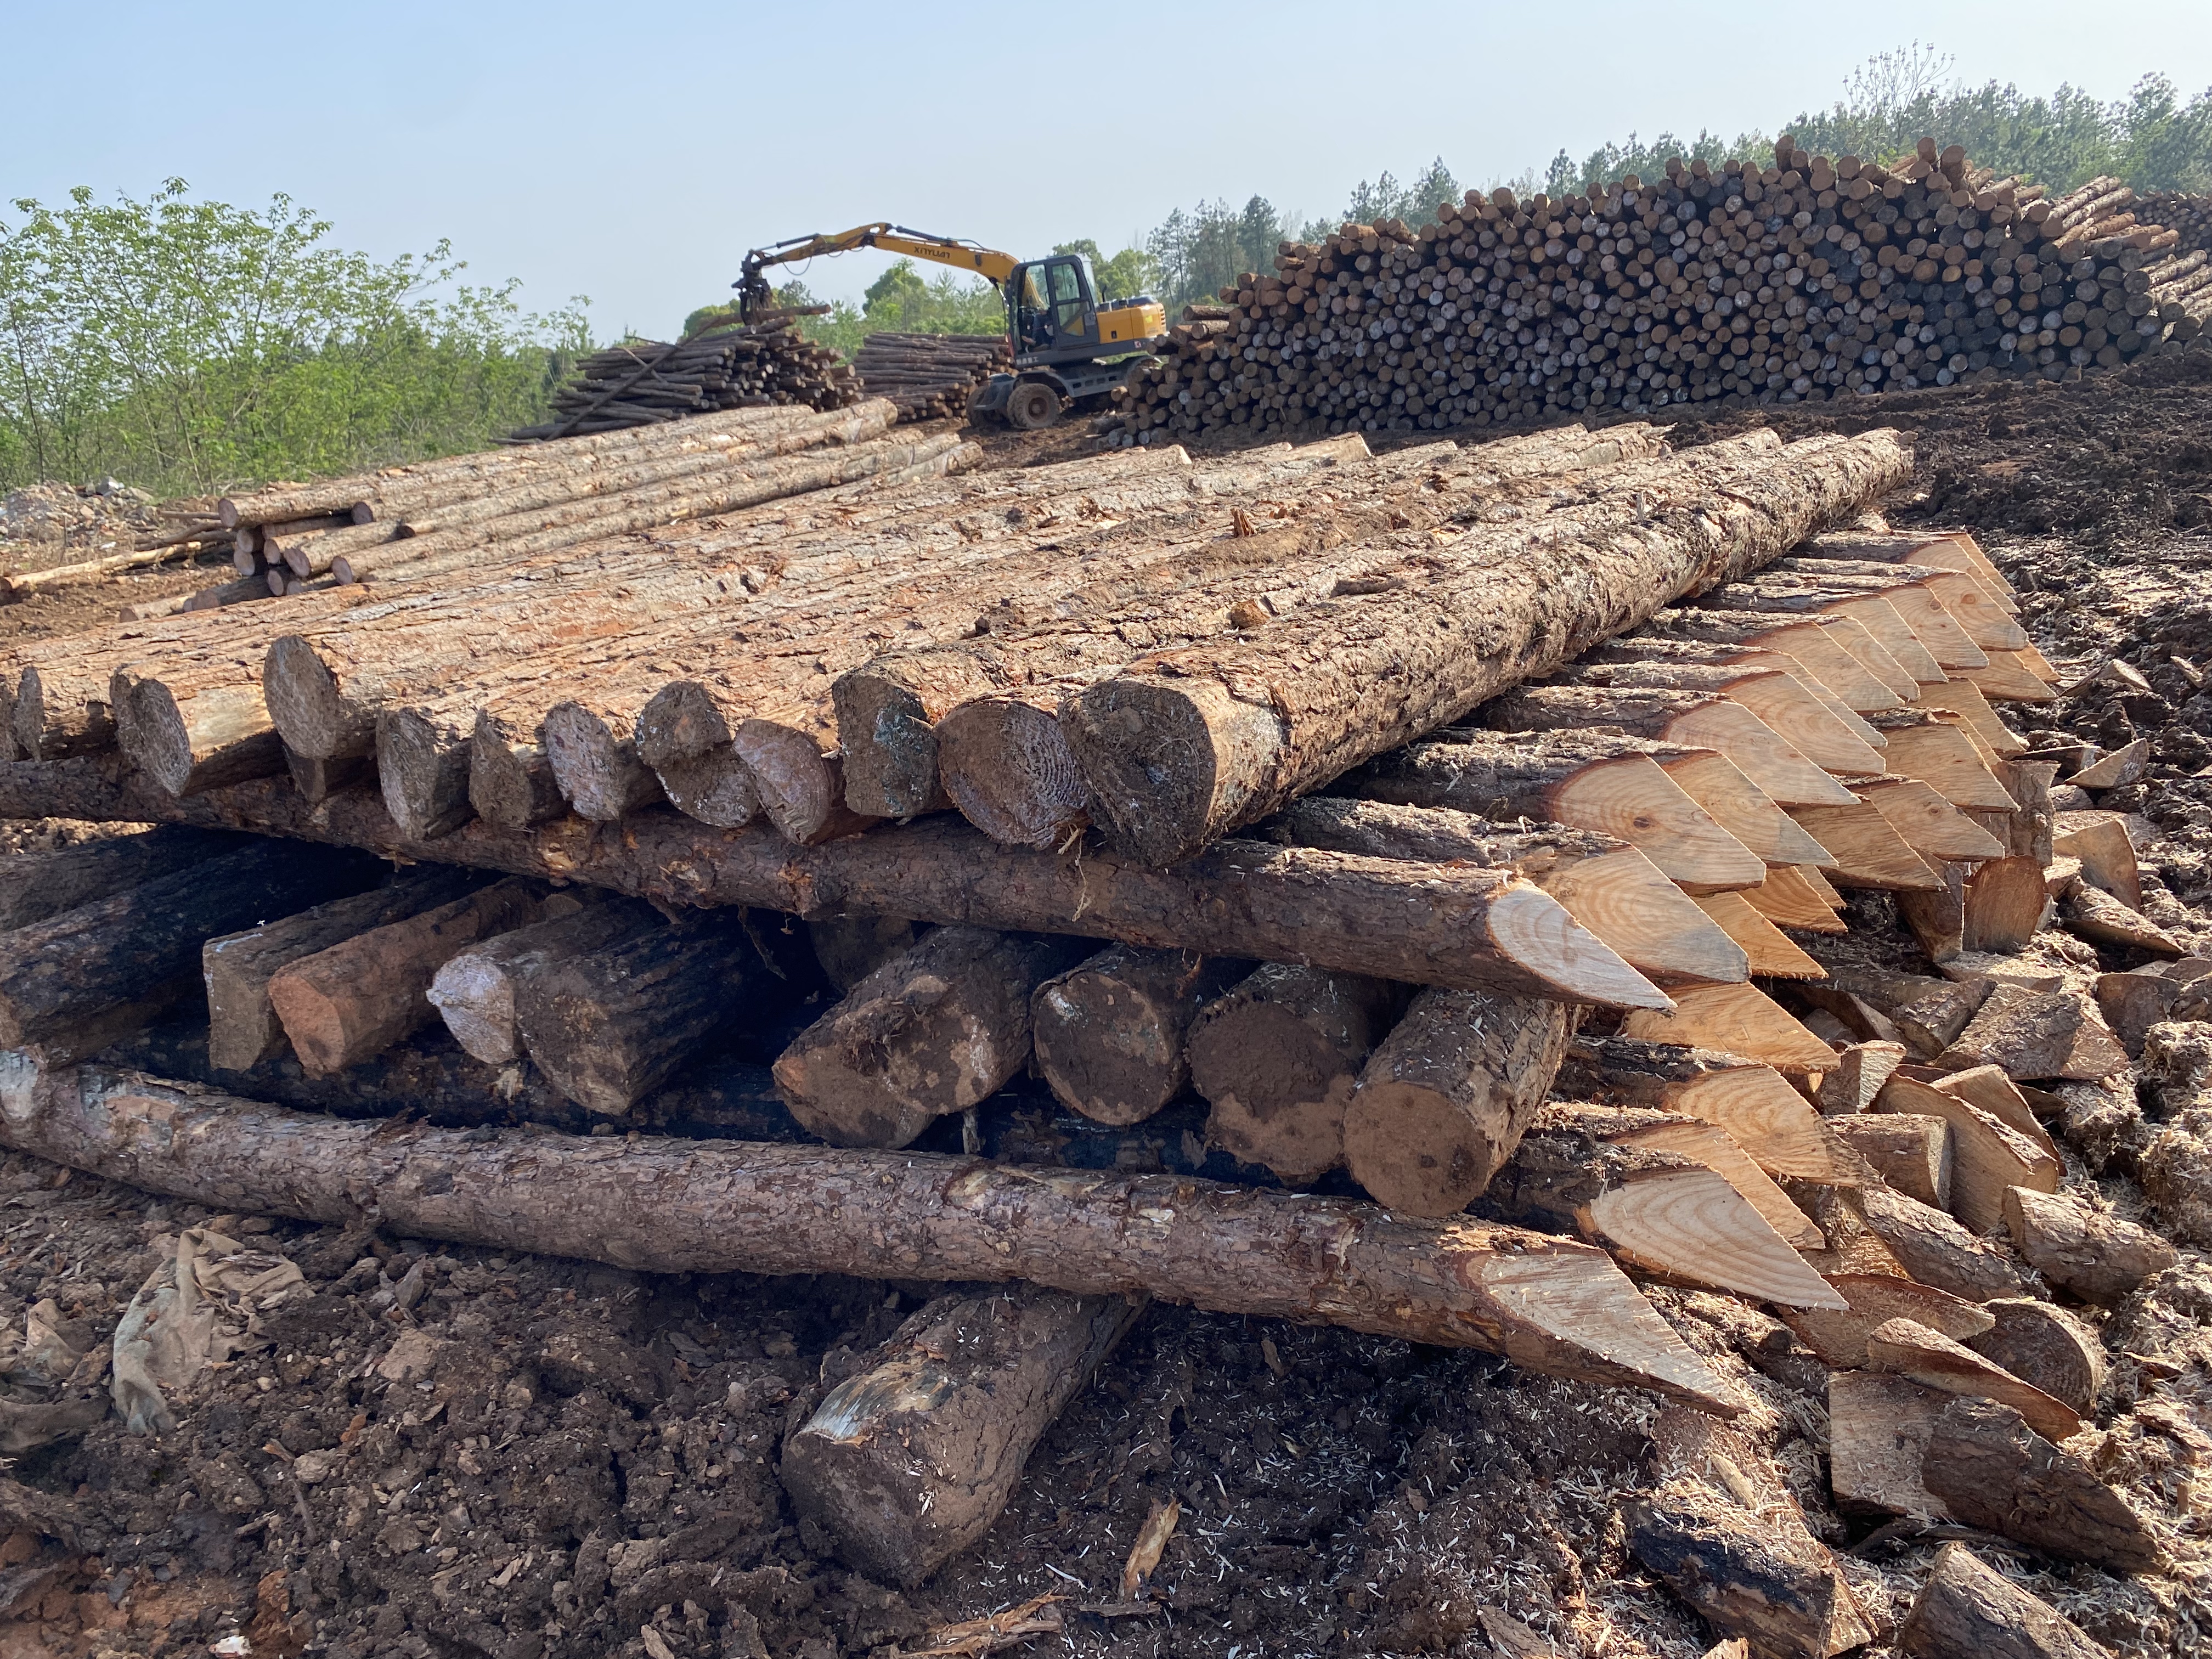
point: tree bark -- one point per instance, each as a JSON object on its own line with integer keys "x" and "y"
{"x": 850, "y": 948}
{"x": 934, "y": 1031}
{"x": 36, "y": 885}
{"x": 1935, "y": 1249}
{"x": 1910, "y": 1152}
{"x": 1276, "y": 1058}
{"x": 1111, "y": 1033}
{"x": 73, "y": 982}
{"x": 608, "y": 1026}
{"x": 1421, "y": 924}
{"x": 1996, "y": 1472}
{"x": 1967, "y": 1611}
{"x": 2045, "y": 1347}
{"x": 911, "y": 1462}
{"x": 357, "y": 998}
{"x": 2094, "y": 1255}
{"x": 1877, "y": 1432}
{"x": 1988, "y": 1158}
{"x": 476, "y": 992}
{"x": 1358, "y": 676}
{"x": 1839, "y": 1339}
{"x": 1904, "y": 1348}
{"x": 243, "y": 1029}
{"x": 1551, "y": 1305}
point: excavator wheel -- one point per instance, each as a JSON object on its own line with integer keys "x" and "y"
{"x": 1033, "y": 406}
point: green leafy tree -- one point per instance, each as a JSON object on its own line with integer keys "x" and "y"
{"x": 1128, "y": 274}
{"x": 1200, "y": 252}
{"x": 189, "y": 345}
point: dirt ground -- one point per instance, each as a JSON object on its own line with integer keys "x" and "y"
{"x": 446, "y": 1451}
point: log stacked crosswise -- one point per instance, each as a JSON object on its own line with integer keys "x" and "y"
{"x": 929, "y": 376}
{"x": 1774, "y": 280}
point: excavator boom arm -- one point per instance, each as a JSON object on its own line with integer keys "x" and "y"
{"x": 988, "y": 262}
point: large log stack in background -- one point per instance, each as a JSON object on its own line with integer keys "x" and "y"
{"x": 929, "y": 375}
{"x": 1805, "y": 279}
{"x": 745, "y": 367}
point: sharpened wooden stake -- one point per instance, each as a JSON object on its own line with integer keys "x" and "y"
{"x": 1741, "y": 807}
{"x": 1788, "y": 899}
{"x": 1740, "y": 1019}
{"x": 1764, "y": 1115}
{"x": 1769, "y": 949}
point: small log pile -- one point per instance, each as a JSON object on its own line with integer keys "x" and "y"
{"x": 641, "y": 382}
{"x": 1744, "y": 284}
{"x": 930, "y": 376}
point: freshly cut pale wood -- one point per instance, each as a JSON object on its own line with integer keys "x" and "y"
{"x": 1904, "y": 1348}
{"x": 1987, "y": 1157}
{"x": 2125, "y": 765}
{"x": 1780, "y": 699}
{"x": 1938, "y": 752}
{"x": 1760, "y": 1111}
{"x": 1278, "y": 1056}
{"x": 1644, "y": 648}
{"x": 357, "y": 998}
{"x": 1718, "y": 1151}
{"x": 933, "y": 1031}
{"x": 1989, "y": 1088}
{"x": 1915, "y": 597}
{"x": 1910, "y": 1152}
{"x": 1863, "y": 850}
{"x": 1740, "y": 1019}
{"x": 2046, "y": 1347}
{"x": 2091, "y": 913}
{"x": 2086, "y": 1252}
{"x": 1872, "y": 1299}
{"x": 1966, "y": 701}
{"x": 1444, "y": 1100}
{"x": 1660, "y": 1209}
{"x": 1608, "y": 886}
{"x": 2003, "y": 906}
{"x": 1925, "y": 821}
{"x": 1768, "y": 949}
{"x": 1997, "y": 1471}
{"x": 36, "y": 885}
{"x": 1554, "y": 1306}
{"x": 1741, "y": 807}
{"x": 2008, "y": 678}
{"x": 911, "y": 1460}
{"x": 475, "y": 993}
{"x": 1861, "y": 1072}
{"x": 1934, "y": 1249}
{"x": 243, "y": 1029}
{"x": 1788, "y": 899}
{"x": 1814, "y": 642}
{"x": 1879, "y": 1428}
{"x": 1588, "y": 781}
{"x": 1967, "y": 1611}
{"x": 1111, "y": 1033}
{"x": 2025, "y": 1035}
{"x": 2101, "y": 842}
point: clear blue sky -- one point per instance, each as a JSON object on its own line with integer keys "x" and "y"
{"x": 632, "y": 153}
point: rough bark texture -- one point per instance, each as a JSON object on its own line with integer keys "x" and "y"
{"x": 2092, "y": 1254}
{"x": 1277, "y": 1057}
{"x": 1420, "y": 924}
{"x": 243, "y": 1029}
{"x": 356, "y": 997}
{"x": 1443, "y": 1102}
{"x": 1987, "y": 1158}
{"x": 1904, "y": 1348}
{"x": 1111, "y": 1032}
{"x": 1776, "y": 1590}
{"x": 1552, "y": 1305}
{"x": 73, "y": 983}
{"x": 1910, "y": 1152}
{"x": 36, "y": 885}
{"x": 1996, "y": 1472}
{"x": 850, "y": 948}
{"x": 476, "y": 992}
{"x": 610, "y": 1025}
{"x": 2029, "y": 1035}
{"x": 1935, "y": 1249}
{"x": 1968, "y": 1611}
{"x": 936, "y": 1031}
{"x": 1246, "y": 727}
{"x": 1839, "y": 1339}
{"x": 911, "y": 1461}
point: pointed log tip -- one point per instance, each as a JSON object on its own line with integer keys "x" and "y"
{"x": 1534, "y": 930}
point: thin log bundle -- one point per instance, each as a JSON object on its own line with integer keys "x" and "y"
{"x": 641, "y": 382}
{"x": 1780, "y": 279}
{"x": 929, "y": 376}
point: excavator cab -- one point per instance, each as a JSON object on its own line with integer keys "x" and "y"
{"x": 1061, "y": 333}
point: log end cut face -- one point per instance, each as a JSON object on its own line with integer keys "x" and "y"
{"x": 890, "y": 744}
{"x": 1007, "y": 766}
{"x": 1171, "y": 763}
{"x": 304, "y": 699}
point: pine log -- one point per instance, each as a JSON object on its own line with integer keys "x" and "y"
{"x": 355, "y": 998}
{"x": 1789, "y": 898}
{"x": 1613, "y": 785}
{"x": 1878, "y": 1432}
{"x": 1940, "y": 753}
{"x": 2095, "y": 915}
{"x": 1873, "y": 1299}
{"x": 1816, "y": 642}
{"x": 1759, "y": 1110}
{"x": 1780, "y": 699}
{"x": 1740, "y": 807}
{"x": 243, "y": 1029}
{"x": 1967, "y": 1611}
{"x": 1935, "y": 1249}
{"x": 1686, "y": 719}
{"x": 2046, "y": 1346}
{"x": 1912, "y": 1153}
{"x": 1863, "y": 850}
{"x": 2089, "y": 1254}
{"x": 1925, "y": 821}
{"x": 1608, "y": 886}
{"x": 607, "y": 1026}
{"x": 476, "y": 992}
{"x": 1902, "y": 1347}
{"x": 1446, "y": 925}
{"x": 932, "y": 1032}
{"x": 2057, "y": 1035}
{"x": 189, "y": 739}
{"x": 1740, "y": 1019}
{"x": 1553, "y": 1306}
{"x": 1988, "y": 1158}
{"x": 1995, "y": 1471}
{"x": 1642, "y": 647}
{"x": 2101, "y": 842}
{"x": 72, "y": 983}
{"x": 1111, "y": 1033}
{"x": 36, "y": 885}
{"x": 911, "y": 1461}
{"x": 1767, "y": 947}
{"x": 1232, "y": 761}
{"x": 1718, "y": 1152}
{"x": 1443, "y": 1101}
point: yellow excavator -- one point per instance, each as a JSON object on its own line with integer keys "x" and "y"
{"x": 1069, "y": 345}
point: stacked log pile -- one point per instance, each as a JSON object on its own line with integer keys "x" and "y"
{"x": 930, "y": 376}
{"x": 641, "y": 382}
{"x": 2189, "y": 217}
{"x": 1807, "y": 279}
